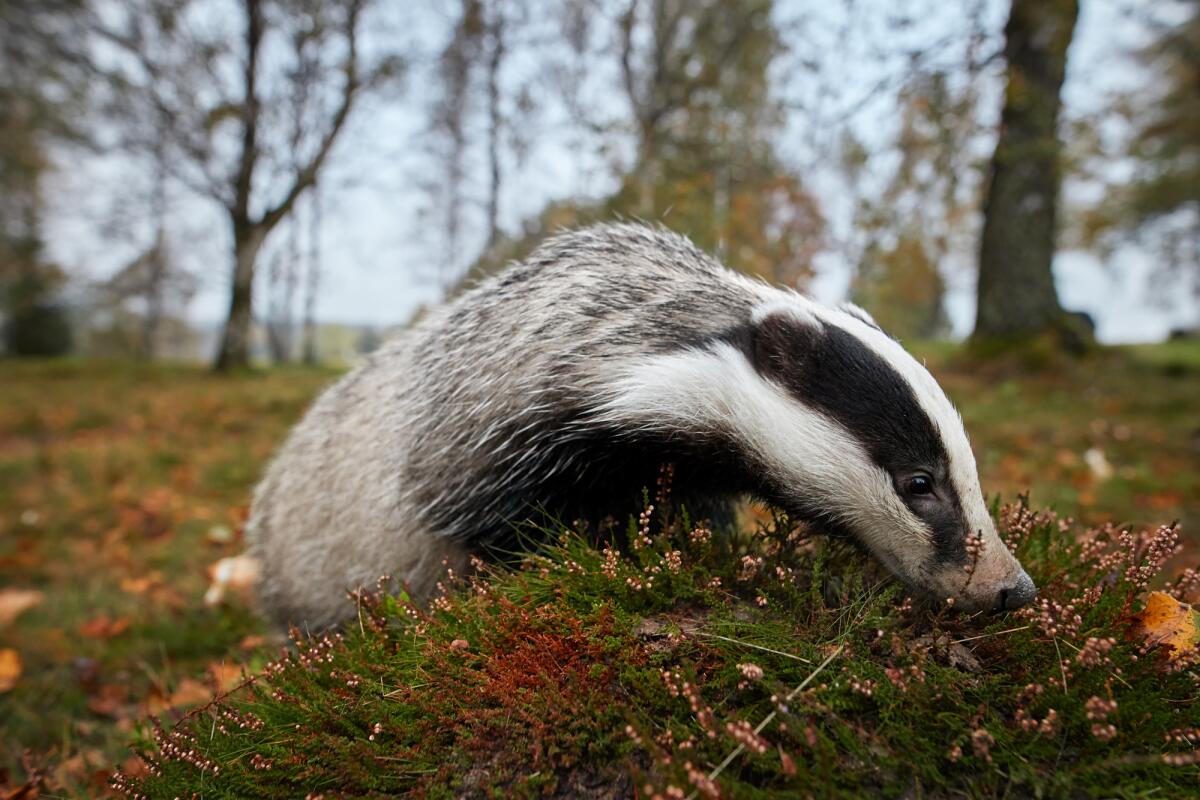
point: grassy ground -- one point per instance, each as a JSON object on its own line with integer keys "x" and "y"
{"x": 120, "y": 484}
{"x": 756, "y": 664}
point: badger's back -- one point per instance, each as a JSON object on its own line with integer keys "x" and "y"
{"x": 489, "y": 409}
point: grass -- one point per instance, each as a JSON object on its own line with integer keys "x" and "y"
{"x": 116, "y": 480}
{"x": 121, "y": 483}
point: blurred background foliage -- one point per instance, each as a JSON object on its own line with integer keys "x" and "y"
{"x": 187, "y": 178}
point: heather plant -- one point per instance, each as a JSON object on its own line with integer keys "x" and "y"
{"x": 681, "y": 662}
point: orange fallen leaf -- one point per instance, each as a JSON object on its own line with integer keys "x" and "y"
{"x": 79, "y": 767}
{"x": 135, "y": 767}
{"x": 27, "y": 791}
{"x": 102, "y": 627}
{"x": 110, "y": 700}
{"x": 190, "y": 692}
{"x": 1169, "y": 622}
{"x": 786, "y": 763}
{"x": 13, "y": 602}
{"x": 10, "y": 668}
{"x": 143, "y": 584}
{"x": 225, "y": 674}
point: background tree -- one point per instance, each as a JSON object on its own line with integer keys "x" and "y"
{"x": 703, "y": 123}
{"x": 1016, "y": 293}
{"x": 481, "y": 119}
{"x": 1156, "y": 203}
{"x": 922, "y": 223}
{"x": 43, "y": 91}
{"x": 230, "y": 136}
{"x": 696, "y": 76}
{"x": 142, "y": 308}
{"x": 312, "y": 278}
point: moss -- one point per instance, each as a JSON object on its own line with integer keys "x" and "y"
{"x": 592, "y": 673}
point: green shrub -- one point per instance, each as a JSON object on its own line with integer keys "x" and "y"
{"x": 39, "y": 330}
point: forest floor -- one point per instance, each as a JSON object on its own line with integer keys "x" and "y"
{"x": 122, "y": 484}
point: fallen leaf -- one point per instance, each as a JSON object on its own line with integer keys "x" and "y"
{"x": 102, "y": 627}
{"x": 134, "y": 767}
{"x": 1098, "y": 463}
{"x": 109, "y": 700}
{"x": 79, "y": 767}
{"x": 10, "y": 668}
{"x": 650, "y": 628}
{"x": 28, "y": 791}
{"x": 225, "y": 674}
{"x": 143, "y": 584}
{"x": 238, "y": 574}
{"x": 190, "y": 692}
{"x": 786, "y": 763}
{"x": 954, "y": 653}
{"x": 1167, "y": 621}
{"x": 13, "y": 602}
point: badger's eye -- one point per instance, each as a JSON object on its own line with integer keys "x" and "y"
{"x": 919, "y": 484}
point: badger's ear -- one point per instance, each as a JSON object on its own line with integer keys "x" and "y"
{"x": 860, "y": 314}
{"x": 782, "y": 338}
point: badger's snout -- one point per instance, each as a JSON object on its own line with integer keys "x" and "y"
{"x": 1019, "y": 595}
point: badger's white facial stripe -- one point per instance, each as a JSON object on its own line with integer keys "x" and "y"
{"x": 716, "y": 388}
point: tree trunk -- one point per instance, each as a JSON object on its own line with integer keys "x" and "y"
{"x": 311, "y": 356}
{"x": 1016, "y": 295}
{"x": 495, "y": 122}
{"x": 235, "y": 341}
{"x": 155, "y": 281}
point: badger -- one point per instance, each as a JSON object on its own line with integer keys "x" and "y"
{"x": 563, "y": 383}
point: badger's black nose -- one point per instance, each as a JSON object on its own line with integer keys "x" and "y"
{"x": 1019, "y": 594}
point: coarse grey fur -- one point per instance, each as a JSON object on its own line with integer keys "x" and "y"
{"x": 506, "y": 401}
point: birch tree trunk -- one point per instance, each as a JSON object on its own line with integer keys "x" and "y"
{"x": 1016, "y": 294}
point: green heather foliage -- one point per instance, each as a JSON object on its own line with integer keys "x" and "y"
{"x": 764, "y": 664}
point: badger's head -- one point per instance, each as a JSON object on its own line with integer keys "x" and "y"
{"x": 873, "y": 446}
{"x": 843, "y": 427}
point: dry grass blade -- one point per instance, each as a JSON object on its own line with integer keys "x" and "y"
{"x": 755, "y": 646}
{"x": 988, "y": 635}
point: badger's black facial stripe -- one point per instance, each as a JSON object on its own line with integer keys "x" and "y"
{"x": 834, "y": 372}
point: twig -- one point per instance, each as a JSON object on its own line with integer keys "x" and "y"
{"x": 737, "y": 751}
{"x": 755, "y": 646}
